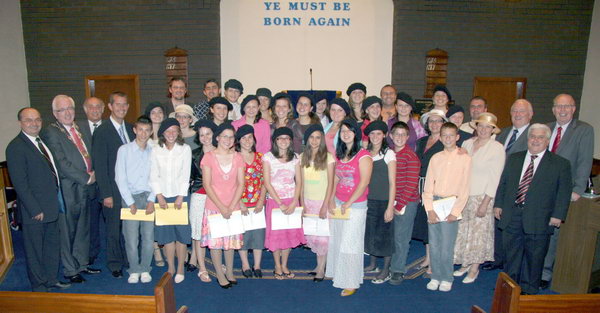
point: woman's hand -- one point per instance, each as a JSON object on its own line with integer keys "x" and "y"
{"x": 345, "y": 207}
{"x": 178, "y": 202}
{"x": 162, "y": 203}
{"x": 481, "y": 210}
{"x": 323, "y": 210}
{"x": 388, "y": 216}
{"x": 243, "y": 208}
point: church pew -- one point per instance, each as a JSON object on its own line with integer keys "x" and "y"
{"x": 163, "y": 301}
{"x": 508, "y": 299}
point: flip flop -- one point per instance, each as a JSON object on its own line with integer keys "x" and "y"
{"x": 278, "y": 276}
{"x": 289, "y": 275}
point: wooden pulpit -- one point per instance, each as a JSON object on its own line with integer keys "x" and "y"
{"x": 574, "y": 268}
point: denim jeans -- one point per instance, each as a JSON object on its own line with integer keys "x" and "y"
{"x": 442, "y": 237}
{"x": 139, "y": 258}
{"x": 403, "y": 227}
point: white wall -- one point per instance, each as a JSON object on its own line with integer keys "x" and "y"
{"x": 13, "y": 71}
{"x": 279, "y": 57}
{"x": 590, "y": 100}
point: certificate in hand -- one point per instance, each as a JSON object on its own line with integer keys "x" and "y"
{"x": 221, "y": 227}
{"x": 253, "y": 220}
{"x": 171, "y": 215}
{"x": 279, "y": 220}
{"x": 443, "y": 207}
{"x": 140, "y": 215}
{"x": 337, "y": 214}
{"x": 314, "y": 226}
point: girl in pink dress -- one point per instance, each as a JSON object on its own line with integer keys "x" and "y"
{"x": 317, "y": 179}
{"x": 223, "y": 174}
{"x": 281, "y": 170}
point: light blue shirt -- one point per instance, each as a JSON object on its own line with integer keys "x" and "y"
{"x": 132, "y": 172}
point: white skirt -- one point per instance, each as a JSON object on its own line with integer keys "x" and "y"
{"x": 345, "y": 258}
{"x": 197, "y": 202}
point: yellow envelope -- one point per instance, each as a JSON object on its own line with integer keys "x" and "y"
{"x": 337, "y": 214}
{"x": 140, "y": 215}
{"x": 170, "y": 215}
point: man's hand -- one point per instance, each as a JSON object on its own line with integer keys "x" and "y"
{"x": 498, "y": 212}
{"x": 108, "y": 202}
{"x": 432, "y": 217}
{"x": 555, "y": 222}
{"x": 451, "y": 218}
{"x": 574, "y": 196}
{"x": 149, "y": 207}
{"x": 133, "y": 208}
{"x": 39, "y": 217}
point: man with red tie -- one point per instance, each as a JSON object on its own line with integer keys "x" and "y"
{"x": 573, "y": 140}
{"x": 71, "y": 150}
{"x": 531, "y": 201}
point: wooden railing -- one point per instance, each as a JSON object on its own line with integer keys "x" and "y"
{"x": 163, "y": 301}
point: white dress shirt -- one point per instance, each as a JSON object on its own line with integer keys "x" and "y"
{"x": 35, "y": 143}
{"x": 562, "y": 133}
{"x": 520, "y": 132}
{"x": 91, "y": 125}
{"x": 118, "y": 126}
{"x": 170, "y": 170}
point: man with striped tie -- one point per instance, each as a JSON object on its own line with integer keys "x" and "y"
{"x": 106, "y": 142}
{"x": 532, "y": 199}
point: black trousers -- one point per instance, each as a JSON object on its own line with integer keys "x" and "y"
{"x": 42, "y": 248}
{"x": 95, "y": 207}
{"x": 116, "y": 257}
{"x": 524, "y": 253}
{"x": 498, "y": 246}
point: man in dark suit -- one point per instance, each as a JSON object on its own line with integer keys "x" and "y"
{"x": 573, "y": 140}
{"x": 532, "y": 199}
{"x": 71, "y": 150}
{"x": 106, "y": 142}
{"x": 93, "y": 108}
{"x": 34, "y": 175}
{"x": 514, "y": 140}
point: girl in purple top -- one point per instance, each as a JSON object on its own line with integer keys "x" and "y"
{"x": 404, "y": 106}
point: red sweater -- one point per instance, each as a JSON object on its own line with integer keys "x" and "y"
{"x": 407, "y": 177}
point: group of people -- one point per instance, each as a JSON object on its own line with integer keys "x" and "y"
{"x": 463, "y": 188}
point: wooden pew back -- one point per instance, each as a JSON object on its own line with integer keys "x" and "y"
{"x": 163, "y": 301}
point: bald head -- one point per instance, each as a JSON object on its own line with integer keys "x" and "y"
{"x": 563, "y": 108}
{"x": 521, "y": 113}
{"x": 93, "y": 108}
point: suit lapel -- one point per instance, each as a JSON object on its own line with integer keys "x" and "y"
{"x": 32, "y": 147}
{"x": 543, "y": 168}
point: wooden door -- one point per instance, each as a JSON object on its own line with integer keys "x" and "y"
{"x": 102, "y": 86}
{"x": 7, "y": 255}
{"x": 500, "y": 93}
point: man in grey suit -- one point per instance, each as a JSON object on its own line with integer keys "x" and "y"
{"x": 93, "y": 108}
{"x": 531, "y": 201}
{"x": 71, "y": 150}
{"x": 513, "y": 140}
{"x": 573, "y": 140}
{"x": 34, "y": 175}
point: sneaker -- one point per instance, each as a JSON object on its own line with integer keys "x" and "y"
{"x": 445, "y": 286}
{"x": 134, "y": 278}
{"x": 378, "y": 281}
{"x": 146, "y": 278}
{"x": 433, "y": 284}
{"x": 396, "y": 279}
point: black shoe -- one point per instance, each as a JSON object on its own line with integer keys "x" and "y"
{"x": 257, "y": 273}
{"x": 91, "y": 270}
{"x": 117, "y": 274}
{"x": 492, "y": 266}
{"x": 225, "y": 286}
{"x": 318, "y": 279}
{"x": 396, "y": 279}
{"x": 60, "y": 285}
{"x": 544, "y": 284}
{"x": 247, "y": 273}
{"x": 92, "y": 260}
{"x": 232, "y": 282}
{"x": 311, "y": 273}
{"x": 191, "y": 267}
{"x": 75, "y": 279}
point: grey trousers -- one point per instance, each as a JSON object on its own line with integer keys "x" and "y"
{"x": 403, "y": 227}
{"x": 74, "y": 227}
{"x": 442, "y": 237}
{"x": 139, "y": 255}
{"x": 41, "y": 242}
{"x": 550, "y": 256}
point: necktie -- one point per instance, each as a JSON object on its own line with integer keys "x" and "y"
{"x": 82, "y": 149}
{"x": 525, "y": 182}
{"x": 47, "y": 158}
{"x": 122, "y": 134}
{"x": 512, "y": 139}
{"x": 95, "y": 127}
{"x": 556, "y": 140}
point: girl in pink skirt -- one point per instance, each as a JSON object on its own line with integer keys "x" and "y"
{"x": 282, "y": 178}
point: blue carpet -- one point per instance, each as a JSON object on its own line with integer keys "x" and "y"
{"x": 269, "y": 295}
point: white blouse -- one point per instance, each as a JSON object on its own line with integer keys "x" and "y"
{"x": 170, "y": 170}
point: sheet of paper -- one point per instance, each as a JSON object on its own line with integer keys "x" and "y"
{"x": 443, "y": 207}
{"x": 314, "y": 226}
{"x": 253, "y": 220}
{"x": 221, "y": 227}
{"x": 171, "y": 215}
{"x": 140, "y": 215}
{"x": 283, "y": 221}
{"x": 337, "y": 214}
